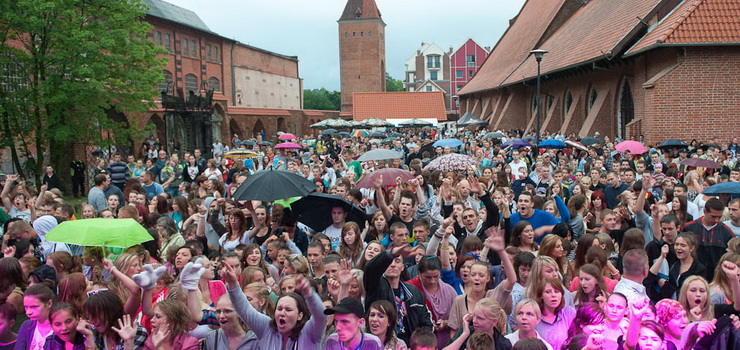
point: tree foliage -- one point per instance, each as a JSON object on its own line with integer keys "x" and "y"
{"x": 67, "y": 65}
{"x": 322, "y": 99}
{"x": 393, "y": 85}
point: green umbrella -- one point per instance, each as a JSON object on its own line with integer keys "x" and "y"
{"x": 121, "y": 233}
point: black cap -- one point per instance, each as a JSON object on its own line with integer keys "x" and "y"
{"x": 348, "y": 305}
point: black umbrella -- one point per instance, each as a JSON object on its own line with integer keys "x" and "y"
{"x": 377, "y": 134}
{"x": 314, "y": 210}
{"x": 670, "y": 143}
{"x": 590, "y": 141}
{"x": 272, "y": 185}
{"x": 264, "y": 143}
{"x": 248, "y": 143}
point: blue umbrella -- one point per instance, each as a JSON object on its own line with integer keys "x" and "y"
{"x": 723, "y": 188}
{"x": 343, "y": 134}
{"x": 516, "y": 143}
{"x": 556, "y": 144}
{"x": 448, "y": 143}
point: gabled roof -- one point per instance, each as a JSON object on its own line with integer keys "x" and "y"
{"x": 426, "y": 49}
{"x": 360, "y": 9}
{"x": 695, "y": 22}
{"x": 429, "y": 82}
{"x": 398, "y": 105}
{"x": 170, "y": 12}
{"x": 465, "y": 43}
{"x": 596, "y": 31}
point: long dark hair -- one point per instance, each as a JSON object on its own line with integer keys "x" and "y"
{"x": 302, "y": 307}
{"x": 105, "y": 307}
{"x": 385, "y": 307}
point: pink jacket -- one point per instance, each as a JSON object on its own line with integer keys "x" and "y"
{"x": 183, "y": 341}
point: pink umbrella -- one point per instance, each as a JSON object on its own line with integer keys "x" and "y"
{"x": 288, "y": 145}
{"x": 633, "y": 146}
{"x": 389, "y": 177}
{"x": 287, "y": 136}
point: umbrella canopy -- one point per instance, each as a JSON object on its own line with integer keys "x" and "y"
{"x": 701, "y": 163}
{"x": 241, "y": 154}
{"x": 556, "y": 144}
{"x": 451, "y": 162}
{"x": 314, "y": 210}
{"x": 634, "y": 147}
{"x": 590, "y": 141}
{"x": 343, "y": 134}
{"x": 338, "y": 123}
{"x": 287, "y": 137}
{"x": 394, "y": 134}
{"x": 516, "y": 143}
{"x": 469, "y": 119}
{"x": 355, "y": 123}
{"x": 119, "y": 233}
{"x": 416, "y": 123}
{"x": 360, "y": 133}
{"x": 271, "y": 185}
{"x": 249, "y": 143}
{"x": 375, "y": 122}
{"x": 670, "y": 143}
{"x": 732, "y": 188}
{"x": 576, "y": 144}
{"x": 377, "y": 134}
{"x": 448, "y": 143}
{"x": 321, "y": 124}
{"x": 288, "y": 145}
{"x": 380, "y": 154}
{"x": 389, "y": 177}
{"x": 494, "y": 135}
{"x": 264, "y": 143}
{"x": 329, "y": 132}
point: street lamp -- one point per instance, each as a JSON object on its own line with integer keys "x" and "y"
{"x": 538, "y": 56}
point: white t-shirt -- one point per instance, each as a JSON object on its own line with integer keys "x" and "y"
{"x": 38, "y": 340}
{"x": 335, "y": 235}
{"x": 735, "y": 229}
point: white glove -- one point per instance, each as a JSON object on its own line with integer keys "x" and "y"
{"x": 148, "y": 277}
{"x": 190, "y": 275}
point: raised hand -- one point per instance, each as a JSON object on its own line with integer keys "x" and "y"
{"x": 378, "y": 182}
{"x": 706, "y": 327}
{"x": 191, "y": 273}
{"x": 647, "y": 182}
{"x": 148, "y": 277}
{"x": 160, "y": 335}
{"x": 302, "y": 286}
{"x": 229, "y": 275}
{"x": 495, "y": 240}
{"x": 696, "y": 313}
{"x": 594, "y": 342}
{"x": 344, "y": 274}
{"x": 85, "y": 328}
{"x": 108, "y": 265}
{"x": 730, "y": 269}
{"x": 664, "y": 250}
{"x": 447, "y": 222}
{"x": 9, "y": 251}
{"x": 639, "y": 307}
{"x": 466, "y": 325}
{"x": 405, "y": 251}
{"x": 126, "y": 328}
{"x": 475, "y": 186}
{"x": 332, "y": 287}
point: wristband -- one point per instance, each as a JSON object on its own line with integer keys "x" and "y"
{"x": 444, "y": 247}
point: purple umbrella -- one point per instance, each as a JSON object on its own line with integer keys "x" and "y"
{"x": 389, "y": 177}
{"x": 451, "y": 162}
{"x": 517, "y": 143}
{"x": 701, "y": 163}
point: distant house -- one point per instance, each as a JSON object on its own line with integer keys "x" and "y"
{"x": 394, "y": 106}
{"x": 428, "y": 71}
{"x": 464, "y": 63}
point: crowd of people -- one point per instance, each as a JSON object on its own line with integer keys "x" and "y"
{"x": 579, "y": 248}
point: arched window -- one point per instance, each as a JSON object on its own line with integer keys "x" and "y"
{"x": 165, "y": 85}
{"x": 191, "y": 84}
{"x": 592, "y": 95}
{"x": 567, "y": 103}
{"x": 626, "y": 112}
{"x": 214, "y": 84}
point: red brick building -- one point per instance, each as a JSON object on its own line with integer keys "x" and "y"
{"x": 639, "y": 69}
{"x": 361, "y": 50}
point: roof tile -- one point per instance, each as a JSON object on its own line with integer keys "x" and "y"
{"x": 398, "y": 105}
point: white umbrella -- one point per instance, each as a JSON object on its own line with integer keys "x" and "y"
{"x": 380, "y": 154}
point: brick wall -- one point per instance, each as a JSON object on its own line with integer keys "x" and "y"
{"x": 362, "y": 58}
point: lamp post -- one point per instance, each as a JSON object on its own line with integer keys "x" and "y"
{"x": 538, "y": 56}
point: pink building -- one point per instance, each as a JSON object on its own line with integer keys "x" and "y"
{"x": 464, "y": 62}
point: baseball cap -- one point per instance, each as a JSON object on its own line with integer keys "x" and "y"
{"x": 348, "y": 305}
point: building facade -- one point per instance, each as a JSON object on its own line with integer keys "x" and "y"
{"x": 464, "y": 63}
{"x": 361, "y": 50}
{"x": 637, "y": 69}
{"x": 428, "y": 71}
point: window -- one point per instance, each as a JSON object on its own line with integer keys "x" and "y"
{"x": 346, "y": 34}
{"x": 12, "y": 77}
{"x": 470, "y": 58}
{"x": 193, "y": 48}
{"x": 626, "y": 109}
{"x": 459, "y": 74}
{"x": 167, "y": 43}
{"x": 191, "y": 84}
{"x": 433, "y": 75}
{"x": 592, "y": 95}
{"x": 370, "y": 33}
{"x": 215, "y": 54}
{"x": 429, "y": 88}
{"x": 470, "y": 73}
{"x": 185, "y": 50}
{"x": 362, "y": 33}
{"x": 354, "y": 33}
{"x": 165, "y": 85}
{"x": 158, "y": 38}
{"x": 568, "y": 103}
{"x": 433, "y": 61}
{"x": 209, "y": 57}
{"x": 214, "y": 84}
{"x": 534, "y": 105}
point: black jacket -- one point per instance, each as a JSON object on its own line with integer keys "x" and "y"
{"x": 378, "y": 288}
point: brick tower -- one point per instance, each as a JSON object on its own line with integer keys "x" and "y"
{"x": 361, "y": 50}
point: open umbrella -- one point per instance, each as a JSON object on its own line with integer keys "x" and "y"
{"x": 494, "y": 135}
{"x": 590, "y": 141}
{"x": 287, "y": 137}
{"x": 264, "y": 143}
{"x": 451, "y": 162}
{"x": 359, "y": 133}
{"x": 288, "y": 145}
{"x": 517, "y": 143}
{"x": 395, "y": 134}
{"x": 671, "y": 143}
{"x": 634, "y": 147}
{"x": 552, "y": 143}
{"x": 249, "y": 143}
{"x": 469, "y": 119}
{"x": 375, "y": 122}
{"x": 389, "y": 177}
{"x": 338, "y": 123}
{"x": 241, "y": 154}
{"x": 119, "y": 233}
{"x": 577, "y": 145}
{"x": 377, "y": 134}
{"x": 701, "y": 163}
{"x": 271, "y": 185}
{"x": 448, "y": 143}
{"x": 343, "y": 134}
{"x": 329, "y": 132}
{"x": 732, "y": 188}
{"x": 320, "y": 125}
{"x": 314, "y": 210}
{"x": 380, "y": 154}
{"x": 416, "y": 123}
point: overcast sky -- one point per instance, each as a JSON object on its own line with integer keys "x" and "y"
{"x": 308, "y": 28}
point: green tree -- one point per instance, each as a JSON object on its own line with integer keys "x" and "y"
{"x": 322, "y": 99}
{"x": 393, "y": 85}
{"x": 66, "y": 66}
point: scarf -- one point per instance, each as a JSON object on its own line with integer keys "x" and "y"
{"x": 474, "y": 232}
